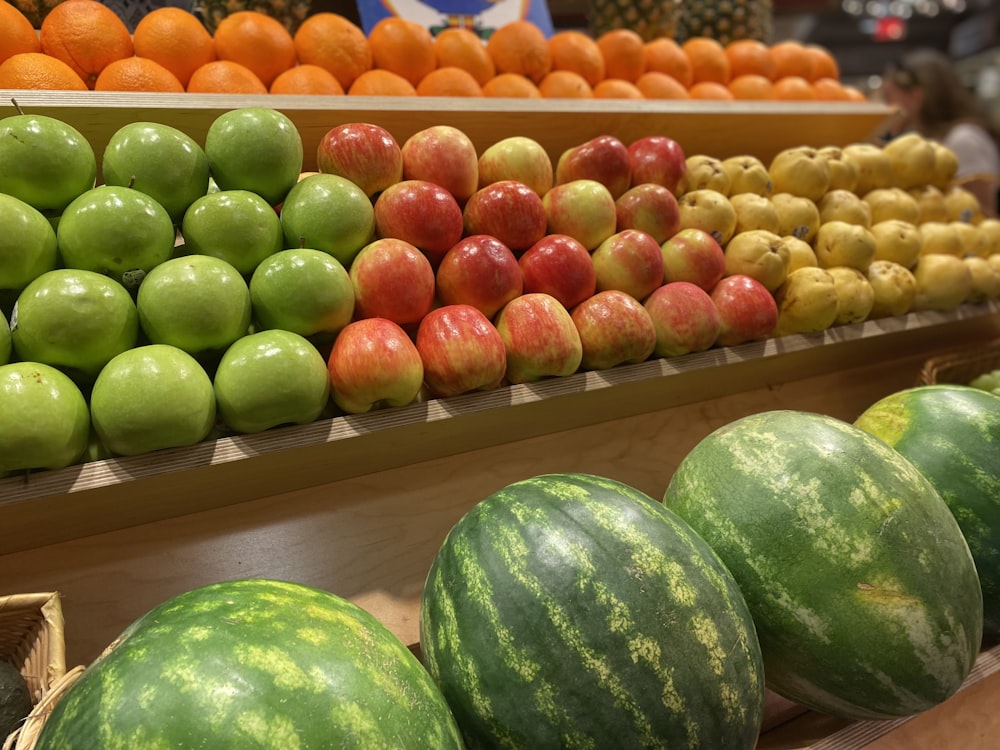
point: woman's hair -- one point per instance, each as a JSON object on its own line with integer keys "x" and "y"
{"x": 947, "y": 100}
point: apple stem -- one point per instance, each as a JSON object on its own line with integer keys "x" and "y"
{"x": 302, "y": 242}
{"x": 131, "y": 181}
{"x": 16, "y": 106}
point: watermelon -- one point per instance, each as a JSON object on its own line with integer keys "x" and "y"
{"x": 253, "y": 664}
{"x": 951, "y": 433}
{"x": 859, "y": 581}
{"x": 573, "y": 611}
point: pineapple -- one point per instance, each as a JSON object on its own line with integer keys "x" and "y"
{"x": 290, "y": 12}
{"x": 725, "y": 20}
{"x": 649, "y": 18}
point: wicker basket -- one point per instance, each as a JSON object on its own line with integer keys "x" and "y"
{"x": 26, "y": 736}
{"x": 961, "y": 366}
{"x": 32, "y": 639}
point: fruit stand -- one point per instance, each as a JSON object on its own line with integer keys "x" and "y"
{"x": 359, "y": 504}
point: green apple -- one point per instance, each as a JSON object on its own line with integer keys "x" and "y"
{"x": 152, "y": 397}
{"x": 44, "y": 420}
{"x": 75, "y": 320}
{"x": 116, "y": 231}
{"x": 5, "y": 343}
{"x": 257, "y": 149}
{"x": 27, "y": 244}
{"x": 304, "y": 291}
{"x": 196, "y": 303}
{"x": 235, "y": 225}
{"x": 330, "y": 213}
{"x": 159, "y": 160}
{"x": 43, "y": 161}
{"x": 271, "y": 378}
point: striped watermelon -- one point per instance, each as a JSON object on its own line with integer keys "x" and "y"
{"x": 951, "y": 433}
{"x": 253, "y": 664}
{"x": 572, "y": 611}
{"x": 861, "y": 586}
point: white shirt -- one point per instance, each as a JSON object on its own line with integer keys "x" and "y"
{"x": 975, "y": 149}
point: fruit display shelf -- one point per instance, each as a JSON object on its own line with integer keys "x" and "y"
{"x": 718, "y": 128}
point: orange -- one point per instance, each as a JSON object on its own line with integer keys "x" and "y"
{"x": 822, "y": 63}
{"x": 829, "y": 90}
{"x": 664, "y": 55}
{"x": 791, "y": 59}
{"x": 708, "y": 60}
{"x": 449, "y": 81}
{"x": 462, "y": 48}
{"x": 35, "y": 70}
{"x": 710, "y": 90}
{"x": 225, "y": 77}
{"x": 794, "y": 88}
{"x": 311, "y": 80}
{"x": 656, "y": 85}
{"x": 750, "y": 56}
{"x": 85, "y": 35}
{"x": 403, "y": 47}
{"x": 624, "y": 54}
{"x": 616, "y": 88}
{"x": 137, "y": 74}
{"x": 575, "y": 51}
{"x": 511, "y": 85}
{"x": 256, "y": 41}
{"x": 752, "y": 86}
{"x": 854, "y": 94}
{"x": 176, "y": 39}
{"x": 335, "y": 43}
{"x": 520, "y": 47}
{"x": 16, "y": 33}
{"x": 378, "y": 82}
{"x": 565, "y": 84}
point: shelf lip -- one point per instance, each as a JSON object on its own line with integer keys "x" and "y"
{"x": 17, "y": 490}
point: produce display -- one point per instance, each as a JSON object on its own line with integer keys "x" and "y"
{"x": 260, "y": 295}
{"x": 253, "y": 663}
{"x": 84, "y": 45}
{"x": 859, "y": 580}
{"x": 574, "y": 611}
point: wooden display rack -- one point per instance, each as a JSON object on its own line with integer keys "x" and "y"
{"x": 359, "y": 505}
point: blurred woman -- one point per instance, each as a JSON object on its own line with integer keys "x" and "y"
{"x": 934, "y": 101}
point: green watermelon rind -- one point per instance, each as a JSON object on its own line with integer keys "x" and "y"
{"x": 861, "y": 585}
{"x": 253, "y": 664}
{"x": 573, "y": 611}
{"x": 951, "y": 433}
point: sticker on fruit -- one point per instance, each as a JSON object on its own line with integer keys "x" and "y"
{"x": 480, "y": 16}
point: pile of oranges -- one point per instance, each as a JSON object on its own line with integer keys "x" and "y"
{"x": 83, "y": 45}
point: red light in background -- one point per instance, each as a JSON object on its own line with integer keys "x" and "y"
{"x": 889, "y": 29}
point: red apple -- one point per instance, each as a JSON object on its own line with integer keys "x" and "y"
{"x": 658, "y": 159}
{"x": 422, "y": 213}
{"x": 747, "y": 311}
{"x": 365, "y": 154}
{"x": 540, "y": 338}
{"x": 508, "y": 210}
{"x": 392, "y": 279}
{"x": 684, "y": 317}
{"x": 651, "y": 208}
{"x": 461, "y": 350}
{"x": 444, "y": 155}
{"x": 373, "y": 363}
{"x": 604, "y": 159}
{"x": 583, "y": 209}
{"x": 480, "y": 271}
{"x": 517, "y": 158}
{"x": 629, "y": 261}
{"x": 695, "y": 256}
{"x": 614, "y": 329}
{"x": 560, "y": 266}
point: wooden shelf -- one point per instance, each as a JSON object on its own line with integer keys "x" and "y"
{"x": 46, "y": 507}
{"x": 720, "y": 129}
